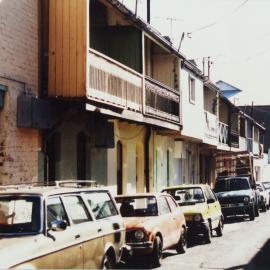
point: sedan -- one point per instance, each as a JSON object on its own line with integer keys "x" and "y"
{"x": 154, "y": 222}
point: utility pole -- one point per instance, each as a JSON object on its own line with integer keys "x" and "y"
{"x": 149, "y": 11}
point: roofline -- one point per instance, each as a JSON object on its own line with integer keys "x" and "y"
{"x": 252, "y": 119}
{"x": 229, "y": 85}
{"x": 140, "y": 23}
{"x": 191, "y": 67}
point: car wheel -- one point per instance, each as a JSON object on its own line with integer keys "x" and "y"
{"x": 208, "y": 234}
{"x": 108, "y": 262}
{"x": 267, "y": 207}
{"x": 251, "y": 213}
{"x": 257, "y": 212}
{"x": 219, "y": 229}
{"x": 264, "y": 208}
{"x": 181, "y": 246}
{"x": 157, "y": 252}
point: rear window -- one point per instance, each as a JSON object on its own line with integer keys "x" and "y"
{"x": 20, "y": 215}
{"x": 232, "y": 184}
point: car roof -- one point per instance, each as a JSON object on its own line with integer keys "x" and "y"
{"x": 46, "y": 191}
{"x": 139, "y": 195}
{"x": 186, "y": 186}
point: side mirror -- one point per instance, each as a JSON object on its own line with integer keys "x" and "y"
{"x": 210, "y": 201}
{"x": 58, "y": 225}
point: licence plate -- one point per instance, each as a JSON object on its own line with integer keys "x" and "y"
{"x": 232, "y": 205}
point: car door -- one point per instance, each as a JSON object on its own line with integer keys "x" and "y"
{"x": 213, "y": 207}
{"x": 178, "y": 218}
{"x": 86, "y": 231}
{"x": 59, "y": 249}
{"x": 168, "y": 225}
{"x": 110, "y": 224}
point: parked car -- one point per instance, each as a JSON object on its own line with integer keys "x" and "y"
{"x": 264, "y": 197}
{"x": 59, "y": 227}
{"x": 266, "y": 185}
{"x": 201, "y": 209}
{"x": 154, "y": 222}
{"x": 237, "y": 196}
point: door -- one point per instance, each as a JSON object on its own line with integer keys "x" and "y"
{"x": 168, "y": 225}
{"x": 110, "y": 225}
{"x": 59, "y": 249}
{"x": 85, "y": 231}
{"x": 178, "y": 219}
{"x": 213, "y": 212}
{"x": 119, "y": 168}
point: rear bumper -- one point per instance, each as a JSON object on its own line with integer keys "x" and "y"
{"x": 236, "y": 210}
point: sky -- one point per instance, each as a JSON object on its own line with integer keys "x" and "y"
{"x": 234, "y": 33}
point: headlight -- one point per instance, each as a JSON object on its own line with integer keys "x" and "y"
{"x": 139, "y": 235}
{"x": 246, "y": 199}
{"x": 197, "y": 218}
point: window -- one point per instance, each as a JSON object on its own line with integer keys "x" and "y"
{"x": 163, "y": 206}
{"x": 20, "y": 215}
{"x": 55, "y": 210}
{"x": 172, "y": 203}
{"x": 101, "y": 204}
{"x": 76, "y": 209}
{"x": 242, "y": 127}
{"x": 191, "y": 90}
{"x": 209, "y": 194}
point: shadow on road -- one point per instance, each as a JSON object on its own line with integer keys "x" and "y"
{"x": 260, "y": 261}
{"x": 236, "y": 219}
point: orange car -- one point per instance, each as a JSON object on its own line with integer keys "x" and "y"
{"x": 154, "y": 222}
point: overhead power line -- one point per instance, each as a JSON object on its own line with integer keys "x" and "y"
{"x": 216, "y": 22}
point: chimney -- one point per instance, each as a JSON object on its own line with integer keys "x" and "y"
{"x": 148, "y": 11}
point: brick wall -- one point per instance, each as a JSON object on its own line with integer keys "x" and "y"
{"x": 19, "y": 72}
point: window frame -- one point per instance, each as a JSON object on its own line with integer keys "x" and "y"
{"x": 192, "y": 89}
{"x": 89, "y": 214}
{"x": 159, "y": 205}
{"x": 90, "y": 209}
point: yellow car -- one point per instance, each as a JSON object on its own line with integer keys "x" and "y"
{"x": 201, "y": 209}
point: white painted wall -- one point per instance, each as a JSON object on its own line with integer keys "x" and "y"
{"x": 193, "y": 114}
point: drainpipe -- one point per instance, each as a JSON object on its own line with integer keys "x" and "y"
{"x": 146, "y": 158}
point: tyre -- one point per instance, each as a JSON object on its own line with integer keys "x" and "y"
{"x": 157, "y": 252}
{"x": 257, "y": 212}
{"x": 251, "y": 213}
{"x": 219, "y": 229}
{"x": 208, "y": 234}
{"x": 264, "y": 208}
{"x": 181, "y": 246}
{"x": 267, "y": 207}
{"x": 107, "y": 262}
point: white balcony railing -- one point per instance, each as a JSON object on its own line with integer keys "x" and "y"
{"x": 114, "y": 83}
{"x": 256, "y": 148}
{"x": 223, "y": 133}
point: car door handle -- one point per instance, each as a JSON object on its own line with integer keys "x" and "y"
{"x": 99, "y": 230}
{"x": 77, "y": 236}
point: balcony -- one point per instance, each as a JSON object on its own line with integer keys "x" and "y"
{"x": 162, "y": 101}
{"x": 242, "y": 144}
{"x": 211, "y": 128}
{"x": 256, "y": 148}
{"x": 223, "y": 133}
{"x": 113, "y": 83}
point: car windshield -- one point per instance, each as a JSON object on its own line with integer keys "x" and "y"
{"x": 137, "y": 206}
{"x": 19, "y": 215}
{"x": 187, "y": 196}
{"x": 266, "y": 185}
{"x": 232, "y": 184}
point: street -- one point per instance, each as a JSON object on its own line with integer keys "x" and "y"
{"x": 244, "y": 245}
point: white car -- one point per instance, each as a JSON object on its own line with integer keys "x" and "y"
{"x": 264, "y": 196}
